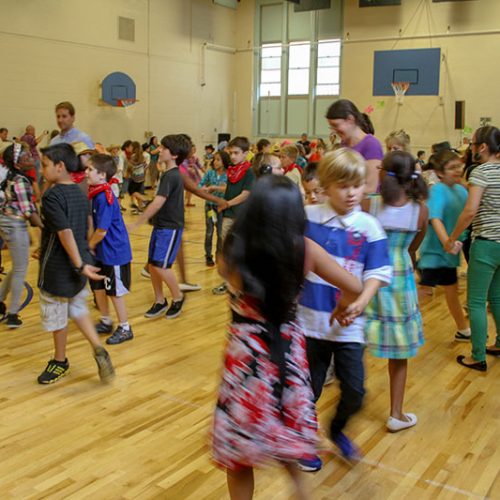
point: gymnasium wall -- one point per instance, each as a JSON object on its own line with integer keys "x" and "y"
{"x": 54, "y": 50}
{"x": 469, "y": 70}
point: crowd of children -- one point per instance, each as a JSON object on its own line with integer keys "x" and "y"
{"x": 317, "y": 246}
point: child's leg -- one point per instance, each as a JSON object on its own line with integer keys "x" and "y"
{"x": 301, "y": 489}
{"x": 454, "y": 306}
{"x": 120, "y": 309}
{"x": 219, "y": 233}
{"x": 86, "y": 326}
{"x": 101, "y": 300}
{"x": 60, "y": 338}
{"x": 494, "y": 301}
{"x": 180, "y": 263}
{"x": 349, "y": 369}
{"x": 157, "y": 282}
{"x": 167, "y": 276}
{"x": 398, "y": 369}
{"x": 319, "y": 355}
{"x": 240, "y": 483}
{"x": 209, "y": 230}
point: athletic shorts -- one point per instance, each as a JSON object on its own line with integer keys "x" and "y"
{"x": 439, "y": 276}
{"x": 56, "y": 311}
{"x": 135, "y": 187}
{"x": 163, "y": 247}
{"x": 116, "y": 282}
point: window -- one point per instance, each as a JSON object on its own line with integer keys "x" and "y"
{"x": 270, "y": 70}
{"x": 328, "y": 74}
{"x": 299, "y": 60}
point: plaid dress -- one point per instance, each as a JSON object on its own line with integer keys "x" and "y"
{"x": 393, "y": 320}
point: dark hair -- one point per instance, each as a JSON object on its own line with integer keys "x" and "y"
{"x": 53, "y": 134}
{"x": 62, "y": 153}
{"x": 490, "y": 136}
{"x": 3, "y": 129}
{"x": 441, "y": 159}
{"x": 8, "y": 159}
{"x": 343, "y": 108}
{"x": 66, "y": 105}
{"x": 104, "y": 164}
{"x": 226, "y": 160}
{"x": 310, "y": 171}
{"x": 126, "y": 144}
{"x": 401, "y": 175}
{"x": 151, "y": 140}
{"x": 441, "y": 146}
{"x": 420, "y": 153}
{"x": 261, "y": 144}
{"x": 266, "y": 248}
{"x": 239, "y": 142}
{"x": 210, "y": 146}
{"x": 261, "y": 164}
{"x": 179, "y": 146}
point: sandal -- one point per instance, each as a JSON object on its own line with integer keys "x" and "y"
{"x": 480, "y": 366}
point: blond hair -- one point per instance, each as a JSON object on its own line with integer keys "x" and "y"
{"x": 400, "y": 137}
{"x": 291, "y": 151}
{"x": 341, "y": 165}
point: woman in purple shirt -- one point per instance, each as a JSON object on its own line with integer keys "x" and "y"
{"x": 355, "y": 130}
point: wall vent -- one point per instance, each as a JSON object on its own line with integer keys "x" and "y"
{"x": 126, "y": 29}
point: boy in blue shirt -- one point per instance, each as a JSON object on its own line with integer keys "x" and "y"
{"x": 111, "y": 247}
{"x": 167, "y": 213}
{"x": 358, "y": 243}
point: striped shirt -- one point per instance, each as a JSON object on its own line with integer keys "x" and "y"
{"x": 359, "y": 244}
{"x": 486, "y": 223}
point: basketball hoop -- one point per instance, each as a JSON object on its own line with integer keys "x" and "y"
{"x": 400, "y": 89}
{"x": 123, "y": 103}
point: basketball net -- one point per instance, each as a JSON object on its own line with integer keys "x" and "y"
{"x": 400, "y": 89}
{"x": 123, "y": 103}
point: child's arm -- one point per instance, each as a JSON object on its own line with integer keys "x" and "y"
{"x": 321, "y": 263}
{"x": 151, "y": 210}
{"x": 237, "y": 200}
{"x": 220, "y": 187}
{"x": 192, "y": 187}
{"x": 423, "y": 222}
{"x": 67, "y": 239}
{"x": 96, "y": 238}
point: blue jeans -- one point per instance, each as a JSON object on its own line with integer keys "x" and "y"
{"x": 349, "y": 370}
{"x": 15, "y": 233}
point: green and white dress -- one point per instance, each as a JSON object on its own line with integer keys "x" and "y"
{"x": 393, "y": 320}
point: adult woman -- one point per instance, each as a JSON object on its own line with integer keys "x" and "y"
{"x": 355, "y": 130}
{"x": 483, "y": 275}
{"x": 17, "y": 208}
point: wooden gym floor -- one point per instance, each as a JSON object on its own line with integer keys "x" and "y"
{"x": 145, "y": 436}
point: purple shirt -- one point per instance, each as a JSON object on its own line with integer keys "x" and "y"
{"x": 369, "y": 148}
{"x": 30, "y": 140}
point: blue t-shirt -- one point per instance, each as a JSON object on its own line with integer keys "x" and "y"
{"x": 445, "y": 203}
{"x": 114, "y": 249}
{"x": 212, "y": 178}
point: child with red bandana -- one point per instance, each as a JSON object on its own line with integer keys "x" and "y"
{"x": 111, "y": 246}
{"x": 240, "y": 178}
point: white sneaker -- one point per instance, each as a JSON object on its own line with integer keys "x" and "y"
{"x": 395, "y": 425}
{"x": 189, "y": 287}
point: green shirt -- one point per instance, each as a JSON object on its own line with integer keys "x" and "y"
{"x": 233, "y": 190}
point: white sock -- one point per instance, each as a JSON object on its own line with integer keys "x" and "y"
{"x": 465, "y": 331}
{"x": 125, "y": 325}
{"x": 106, "y": 320}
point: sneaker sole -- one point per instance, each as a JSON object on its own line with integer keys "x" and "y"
{"x": 13, "y": 327}
{"x": 173, "y": 316}
{"x": 155, "y": 315}
{"x": 120, "y": 342}
{"x": 189, "y": 289}
{"x": 462, "y": 340}
{"x": 48, "y": 382}
{"x": 308, "y": 469}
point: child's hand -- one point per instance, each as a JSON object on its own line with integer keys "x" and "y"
{"x": 36, "y": 253}
{"x": 91, "y": 272}
{"x": 222, "y": 205}
{"x": 346, "y": 314}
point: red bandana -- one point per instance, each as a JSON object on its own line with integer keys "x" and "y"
{"x": 77, "y": 177}
{"x": 106, "y": 187}
{"x": 291, "y": 167}
{"x": 236, "y": 172}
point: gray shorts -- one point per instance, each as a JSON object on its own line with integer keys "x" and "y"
{"x": 56, "y": 311}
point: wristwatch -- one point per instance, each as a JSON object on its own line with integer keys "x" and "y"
{"x": 79, "y": 270}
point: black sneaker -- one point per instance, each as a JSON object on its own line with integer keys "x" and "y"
{"x": 3, "y": 311}
{"x": 13, "y": 321}
{"x": 210, "y": 262}
{"x": 54, "y": 371}
{"x": 104, "y": 365}
{"x": 156, "y": 309}
{"x": 175, "y": 309}
{"x": 103, "y": 328}
{"x": 120, "y": 335}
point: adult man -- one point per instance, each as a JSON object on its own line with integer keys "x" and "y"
{"x": 4, "y": 143}
{"x": 65, "y": 115}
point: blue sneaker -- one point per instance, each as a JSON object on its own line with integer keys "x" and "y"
{"x": 347, "y": 448}
{"x": 311, "y": 463}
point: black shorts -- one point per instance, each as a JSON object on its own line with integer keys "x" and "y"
{"x": 135, "y": 187}
{"x": 443, "y": 276}
{"x": 116, "y": 282}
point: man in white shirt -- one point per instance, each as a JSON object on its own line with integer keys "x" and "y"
{"x": 65, "y": 115}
